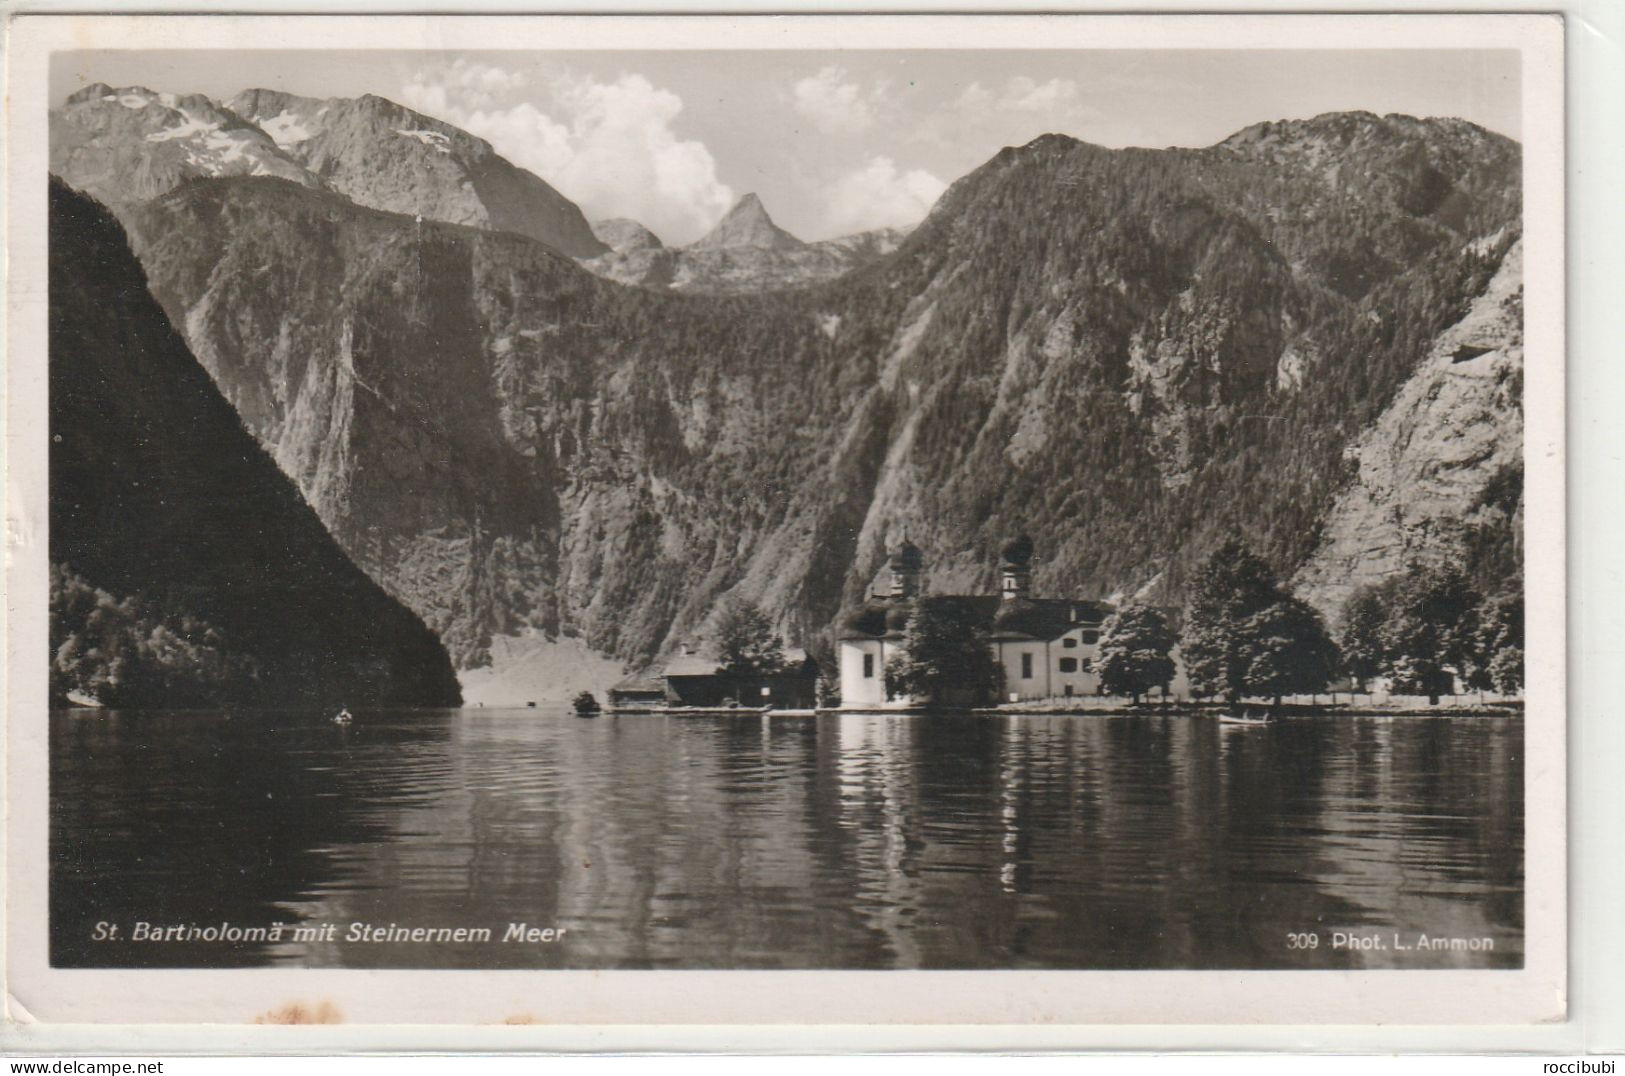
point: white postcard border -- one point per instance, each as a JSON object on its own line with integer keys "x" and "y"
{"x": 1535, "y": 993}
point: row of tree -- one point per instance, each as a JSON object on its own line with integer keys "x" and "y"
{"x": 1246, "y": 635}
{"x": 1429, "y": 627}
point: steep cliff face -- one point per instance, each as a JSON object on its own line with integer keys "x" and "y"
{"x": 1431, "y": 466}
{"x": 386, "y": 156}
{"x": 745, "y": 252}
{"x": 1127, "y": 354}
{"x": 126, "y": 146}
{"x": 159, "y": 496}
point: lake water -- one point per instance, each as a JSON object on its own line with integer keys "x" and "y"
{"x": 842, "y": 841}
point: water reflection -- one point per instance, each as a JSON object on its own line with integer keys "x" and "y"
{"x": 855, "y": 841}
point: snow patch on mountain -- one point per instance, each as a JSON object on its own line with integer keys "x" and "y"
{"x": 286, "y": 128}
{"x": 429, "y": 138}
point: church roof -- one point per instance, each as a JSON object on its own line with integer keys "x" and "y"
{"x": 1045, "y": 618}
{"x": 1021, "y": 618}
{"x": 867, "y": 621}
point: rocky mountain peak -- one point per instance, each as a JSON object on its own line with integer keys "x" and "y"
{"x": 624, "y": 235}
{"x": 127, "y": 145}
{"x": 383, "y": 155}
{"x": 95, "y": 91}
{"x": 748, "y": 225}
{"x": 259, "y": 101}
{"x": 1343, "y": 132}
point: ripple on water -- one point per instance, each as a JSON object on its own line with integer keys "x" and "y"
{"x": 842, "y": 841}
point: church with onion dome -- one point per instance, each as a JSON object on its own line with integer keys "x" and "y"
{"x": 1047, "y": 647}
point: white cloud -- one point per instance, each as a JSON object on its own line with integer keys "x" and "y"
{"x": 878, "y": 195}
{"x": 1022, "y": 94}
{"x": 834, "y": 105}
{"x": 524, "y": 134}
{"x": 608, "y": 146}
{"x": 462, "y": 83}
{"x": 1015, "y": 111}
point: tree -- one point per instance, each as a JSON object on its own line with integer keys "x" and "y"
{"x": 1246, "y": 635}
{"x": 946, "y": 656}
{"x": 1431, "y": 624}
{"x": 1506, "y": 671}
{"x": 828, "y": 686}
{"x": 1287, "y": 650}
{"x": 1231, "y": 588}
{"x": 1498, "y": 644}
{"x": 747, "y": 645}
{"x": 121, "y": 653}
{"x": 898, "y": 677}
{"x": 1134, "y": 646}
{"x": 1364, "y": 616}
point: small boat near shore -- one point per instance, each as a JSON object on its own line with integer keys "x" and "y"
{"x": 1245, "y": 719}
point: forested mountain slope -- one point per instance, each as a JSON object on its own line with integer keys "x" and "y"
{"x": 218, "y": 583}
{"x": 1126, "y": 353}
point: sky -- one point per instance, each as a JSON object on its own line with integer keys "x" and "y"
{"x": 833, "y": 142}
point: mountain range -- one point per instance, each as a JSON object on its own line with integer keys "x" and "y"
{"x": 127, "y": 146}
{"x": 1128, "y": 354}
{"x": 746, "y": 251}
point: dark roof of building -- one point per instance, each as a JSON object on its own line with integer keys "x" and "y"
{"x": 640, "y": 685}
{"x": 1044, "y": 618}
{"x": 690, "y": 665}
{"x": 1020, "y": 618}
{"x": 888, "y": 619}
{"x": 797, "y": 664}
{"x": 866, "y": 621}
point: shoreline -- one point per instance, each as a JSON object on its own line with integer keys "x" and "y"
{"x": 1054, "y": 708}
{"x": 1047, "y": 708}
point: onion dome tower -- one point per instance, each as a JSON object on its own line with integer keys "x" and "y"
{"x": 906, "y": 564}
{"x": 1016, "y": 569}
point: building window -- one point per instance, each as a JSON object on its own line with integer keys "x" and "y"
{"x": 1069, "y": 643}
{"x": 1069, "y": 665}
{"x": 1069, "y": 691}
{"x": 868, "y": 666}
{"x": 1026, "y": 666}
{"x": 1091, "y": 637}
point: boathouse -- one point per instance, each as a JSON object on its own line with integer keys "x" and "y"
{"x": 689, "y": 680}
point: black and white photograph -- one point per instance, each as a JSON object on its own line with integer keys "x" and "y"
{"x": 789, "y": 507}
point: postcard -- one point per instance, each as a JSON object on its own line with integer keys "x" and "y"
{"x": 823, "y": 519}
